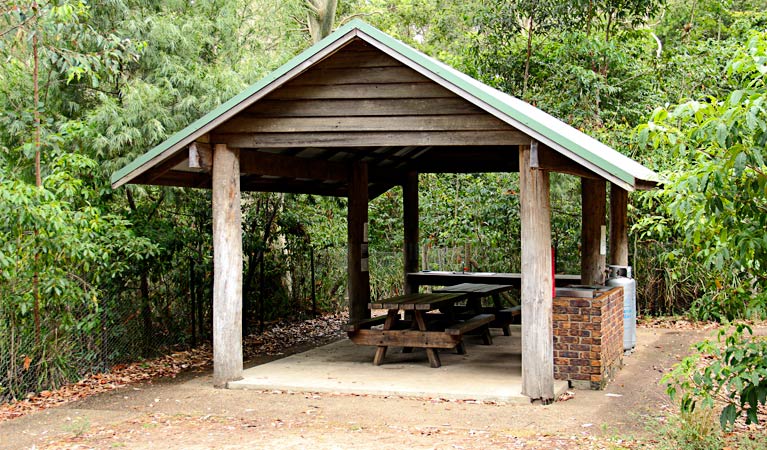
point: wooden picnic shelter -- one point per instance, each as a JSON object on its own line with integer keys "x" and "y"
{"x": 360, "y": 113}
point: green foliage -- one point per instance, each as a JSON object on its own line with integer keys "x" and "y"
{"x": 731, "y": 372}
{"x": 119, "y": 77}
{"x": 56, "y": 237}
{"x": 715, "y": 195}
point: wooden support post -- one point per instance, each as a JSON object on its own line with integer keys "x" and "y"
{"x": 357, "y": 223}
{"x": 619, "y": 238}
{"x": 537, "y": 336}
{"x": 410, "y": 225}
{"x": 593, "y": 229}
{"x": 227, "y": 266}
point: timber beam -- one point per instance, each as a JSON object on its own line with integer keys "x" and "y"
{"x": 546, "y": 158}
{"x": 274, "y": 164}
{"x": 593, "y": 230}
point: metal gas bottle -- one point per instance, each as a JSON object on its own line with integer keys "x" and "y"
{"x": 621, "y": 276}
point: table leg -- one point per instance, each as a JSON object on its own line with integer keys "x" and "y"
{"x": 498, "y": 307}
{"x": 431, "y": 353}
{"x": 391, "y": 318}
{"x": 413, "y": 326}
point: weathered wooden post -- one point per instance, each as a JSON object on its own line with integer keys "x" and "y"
{"x": 619, "y": 237}
{"x": 410, "y": 225}
{"x": 593, "y": 227}
{"x": 227, "y": 266}
{"x": 357, "y": 226}
{"x": 537, "y": 337}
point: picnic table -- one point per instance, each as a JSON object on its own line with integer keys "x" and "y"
{"x": 475, "y": 292}
{"x": 444, "y": 278}
{"x": 421, "y": 327}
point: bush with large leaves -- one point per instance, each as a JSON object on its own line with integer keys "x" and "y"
{"x": 716, "y": 195}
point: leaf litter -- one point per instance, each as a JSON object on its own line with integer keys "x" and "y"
{"x": 276, "y": 339}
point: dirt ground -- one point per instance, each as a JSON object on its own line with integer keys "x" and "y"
{"x": 187, "y": 412}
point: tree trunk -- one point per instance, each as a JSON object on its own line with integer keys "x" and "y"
{"x": 528, "y": 56}
{"x": 322, "y": 14}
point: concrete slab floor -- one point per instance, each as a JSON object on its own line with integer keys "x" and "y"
{"x": 488, "y": 373}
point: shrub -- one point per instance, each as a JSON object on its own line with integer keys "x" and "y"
{"x": 731, "y": 371}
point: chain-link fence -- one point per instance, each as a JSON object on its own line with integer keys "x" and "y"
{"x": 157, "y": 313}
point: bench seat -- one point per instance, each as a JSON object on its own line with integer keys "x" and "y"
{"x": 480, "y": 323}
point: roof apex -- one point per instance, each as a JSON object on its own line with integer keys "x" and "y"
{"x": 558, "y": 135}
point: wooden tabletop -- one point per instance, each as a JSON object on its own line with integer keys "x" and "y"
{"x": 420, "y": 302}
{"x": 477, "y": 288}
{"x": 442, "y": 278}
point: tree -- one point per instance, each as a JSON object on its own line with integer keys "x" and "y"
{"x": 716, "y": 192}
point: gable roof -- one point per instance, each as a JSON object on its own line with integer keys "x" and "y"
{"x": 559, "y": 136}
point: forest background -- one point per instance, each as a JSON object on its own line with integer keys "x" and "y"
{"x": 91, "y": 276}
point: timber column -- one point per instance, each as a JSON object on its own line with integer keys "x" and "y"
{"x": 593, "y": 230}
{"x": 227, "y": 266}
{"x": 410, "y": 225}
{"x": 357, "y": 226}
{"x": 537, "y": 282}
{"x": 619, "y": 236}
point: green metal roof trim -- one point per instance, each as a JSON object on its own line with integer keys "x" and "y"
{"x": 528, "y": 118}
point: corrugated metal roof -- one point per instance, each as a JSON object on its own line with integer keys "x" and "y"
{"x": 576, "y": 145}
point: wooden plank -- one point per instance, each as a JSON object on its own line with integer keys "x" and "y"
{"x": 370, "y": 139}
{"x": 365, "y": 324}
{"x": 177, "y": 178}
{"x": 468, "y": 159}
{"x": 619, "y": 239}
{"x": 227, "y": 267}
{"x": 345, "y": 59}
{"x": 451, "y": 278}
{"x": 404, "y": 338}
{"x": 468, "y": 122}
{"x": 435, "y": 301}
{"x": 553, "y": 161}
{"x": 357, "y": 223}
{"x": 391, "y": 318}
{"x": 410, "y": 220}
{"x": 362, "y": 75}
{"x": 372, "y": 107}
{"x": 164, "y": 167}
{"x": 292, "y": 187}
{"x": 417, "y": 301}
{"x": 362, "y": 91}
{"x": 471, "y": 288}
{"x": 272, "y": 164}
{"x": 475, "y": 322}
{"x": 537, "y": 336}
{"x": 432, "y": 354}
{"x": 395, "y": 302}
{"x": 593, "y": 209}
